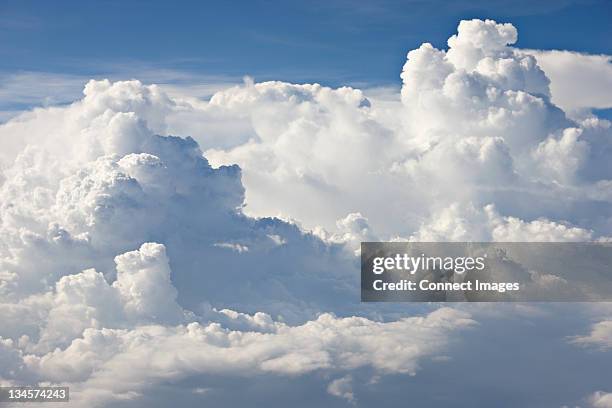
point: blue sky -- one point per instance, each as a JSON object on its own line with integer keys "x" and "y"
{"x": 331, "y": 42}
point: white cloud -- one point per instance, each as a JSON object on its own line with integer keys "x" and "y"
{"x": 476, "y": 126}
{"x": 99, "y": 203}
{"x": 600, "y": 336}
{"x": 86, "y": 182}
{"x": 342, "y": 388}
{"x": 578, "y": 81}
{"x": 116, "y": 355}
{"x": 466, "y": 223}
{"x": 601, "y": 399}
{"x": 28, "y": 89}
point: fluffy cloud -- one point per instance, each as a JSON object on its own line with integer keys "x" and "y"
{"x": 578, "y": 81}
{"x": 119, "y": 345}
{"x": 128, "y": 259}
{"x": 342, "y": 388}
{"x": 118, "y": 184}
{"x": 601, "y": 399}
{"x": 141, "y": 293}
{"x": 119, "y": 361}
{"x": 600, "y": 336}
{"x": 476, "y": 126}
{"x": 82, "y": 307}
{"x": 468, "y": 223}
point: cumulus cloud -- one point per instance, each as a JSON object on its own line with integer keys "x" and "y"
{"x": 177, "y": 351}
{"x": 117, "y": 184}
{"x": 119, "y": 347}
{"x": 468, "y": 223}
{"x": 601, "y": 399}
{"x": 127, "y": 258}
{"x": 600, "y": 336}
{"x": 342, "y": 388}
{"x": 88, "y": 296}
{"x": 578, "y": 81}
{"x": 475, "y": 126}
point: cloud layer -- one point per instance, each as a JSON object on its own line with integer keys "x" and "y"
{"x": 475, "y": 127}
{"x": 127, "y": 259}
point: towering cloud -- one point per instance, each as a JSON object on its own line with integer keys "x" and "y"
{"x": 127, "y": 259}
{"x": 89, "y": 299}
{"x": 476, "y": 126}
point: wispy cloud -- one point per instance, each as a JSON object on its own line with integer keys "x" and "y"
{"x": 25, "y": 90}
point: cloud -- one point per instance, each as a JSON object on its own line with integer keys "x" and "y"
{"x": 600, "y": 336}
{"x": 88, "y": 295}
{"x": 326, "y": 343}
{"x": 342, "y": 388}
{"x": 116, "y": 184}
{"x": 123, "y": 348}
{"x": 578, "y": 81}
{"x": 129, "y": 257}
{"x": 19, "y": 90}
{"x": 601, "y": 399}
{"x": 465, "y": 223}
{"x": 475, "y": 126}
{"x": 29, "y": 89}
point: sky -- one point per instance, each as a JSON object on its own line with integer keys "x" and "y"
{"x": 335, "y": 43}
{"x": 184, "y": 189}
